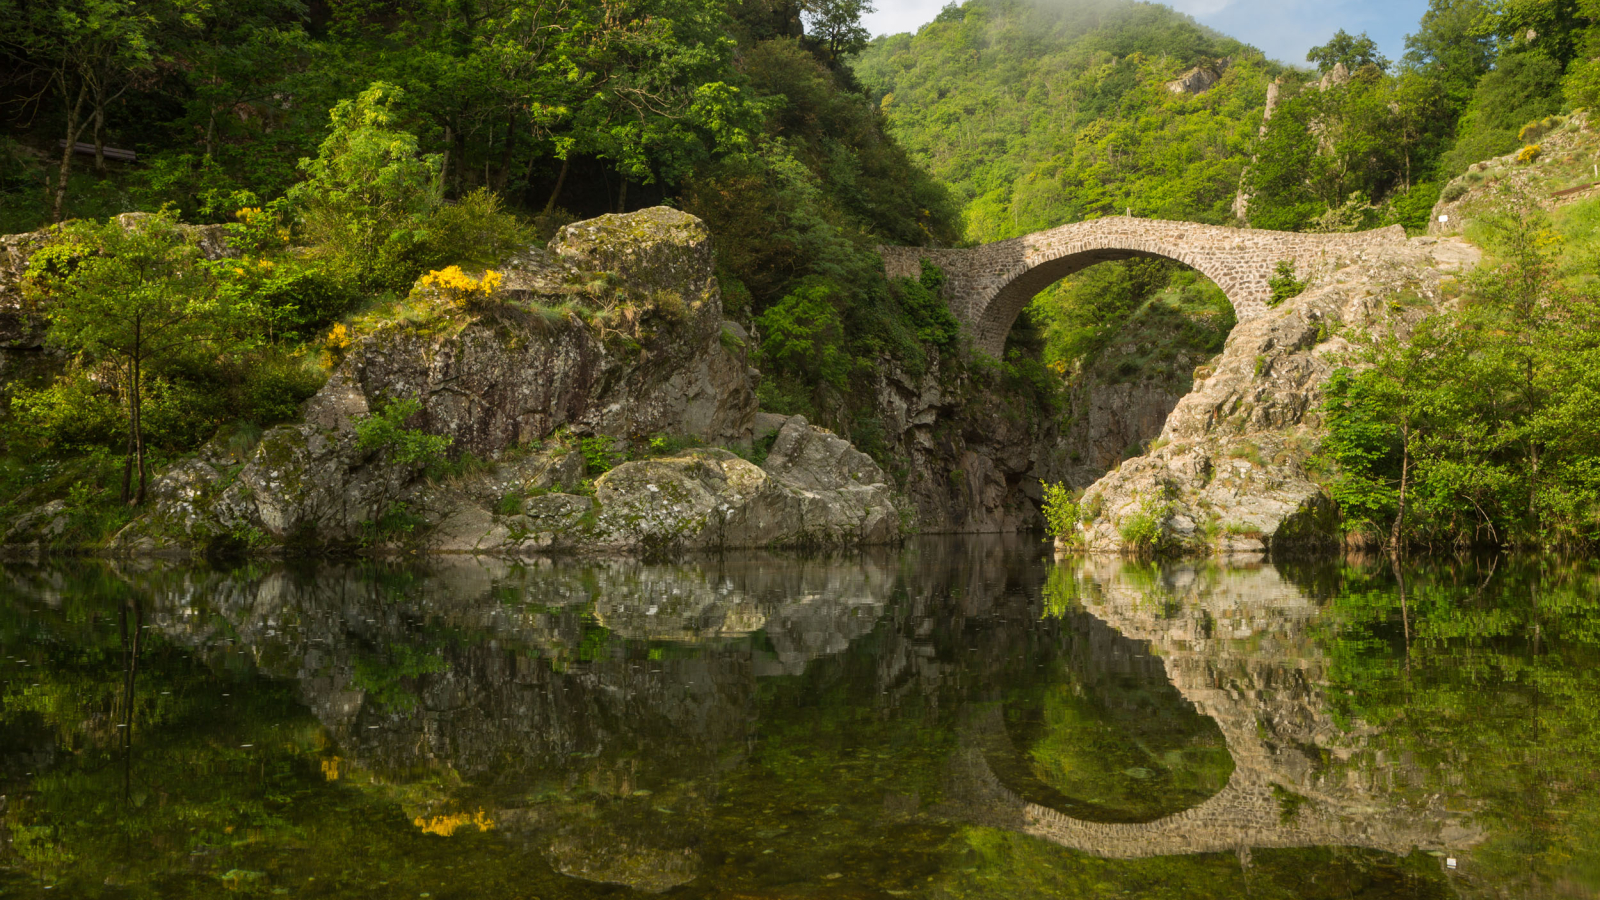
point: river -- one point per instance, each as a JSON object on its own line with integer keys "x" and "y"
{"x": 953, "y": 719}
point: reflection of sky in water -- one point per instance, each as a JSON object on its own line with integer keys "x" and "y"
{"x": 957, "y": 720}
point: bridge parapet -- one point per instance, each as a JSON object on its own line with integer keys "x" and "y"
{"x": 986, "y": 287}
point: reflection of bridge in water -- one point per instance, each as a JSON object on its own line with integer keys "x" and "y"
{"x": 1234, "y": 643}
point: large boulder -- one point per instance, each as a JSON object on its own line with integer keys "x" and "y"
{"x": 651, "y": 358}
{"x": 814, "y": 490}
{"x": 615, "y": 330}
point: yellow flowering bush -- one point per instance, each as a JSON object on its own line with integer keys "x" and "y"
{"x": 1529, "y": 153}
{"x": 459, "y": 288}
{"x": 338, "y": 340}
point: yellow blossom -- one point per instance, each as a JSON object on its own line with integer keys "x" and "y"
{"x": 460, "y": 288}
{"x": 444, "y": 826}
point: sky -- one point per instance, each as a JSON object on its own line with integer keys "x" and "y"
{"x": 1282, "y": 29}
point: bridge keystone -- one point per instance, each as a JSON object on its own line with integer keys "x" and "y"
{"x": 986, "y": 287}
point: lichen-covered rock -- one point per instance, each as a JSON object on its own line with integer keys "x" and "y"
{"x": 36, "y": 530}
{"x": 514, "y": 372}
{"x": 1228, "y": 472}
{"x": 505, "y": 376}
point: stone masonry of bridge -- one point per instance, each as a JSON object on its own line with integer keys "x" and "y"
{"x": 986, "y": 287}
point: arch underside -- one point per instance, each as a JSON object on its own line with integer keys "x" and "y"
{"x": 1001, "y": 312}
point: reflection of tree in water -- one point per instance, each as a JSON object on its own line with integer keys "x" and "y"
{"x": 1487, "y": 686}
{"x": 728, "y": 726}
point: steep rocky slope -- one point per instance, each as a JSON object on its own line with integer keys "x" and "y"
{"x": 1228, "y": 471}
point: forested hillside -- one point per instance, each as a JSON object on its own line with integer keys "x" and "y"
{"x": 1037, "y": 115}
{"x": 348, "y": 148}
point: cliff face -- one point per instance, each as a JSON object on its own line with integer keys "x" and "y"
{"x": 1228, "y": 471}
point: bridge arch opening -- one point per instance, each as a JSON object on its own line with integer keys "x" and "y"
{"x": 1125, "y": 283}
{"x": 1125, "y": 339}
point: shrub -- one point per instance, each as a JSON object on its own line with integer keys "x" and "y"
{"x": 474, "y": 231}
{"x": 1061, "y": 513}
{"x": 386, "y": 431}
{"x": 368, "y": 192}
{"x": 460, "y": 289}
{"x": 597, "y": 454}
{"x": 1144, "y": 531}
{"x": 803, "y": 335}
{"x": 1283, "y": 284}
{"x": 304, "y": 300}
{"x": 1529, "y": 153}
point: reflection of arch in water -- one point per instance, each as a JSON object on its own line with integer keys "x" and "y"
{"x": 1270, "y": 801}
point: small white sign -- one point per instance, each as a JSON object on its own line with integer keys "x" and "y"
{"x": 1444, "y": 218}
{"x": 1450, "y": 863}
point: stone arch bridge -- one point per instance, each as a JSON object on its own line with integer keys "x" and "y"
{"x": 988, "y": 286}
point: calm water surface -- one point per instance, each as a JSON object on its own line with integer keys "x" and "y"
{"x": 957, "y": 719}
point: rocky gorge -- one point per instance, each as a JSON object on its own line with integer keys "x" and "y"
{"x": 600, "y": 401}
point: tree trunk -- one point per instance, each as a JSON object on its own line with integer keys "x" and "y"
{"x": 1405, "y": 474}
{"x": 561, "y": 179}
{"x": 138, "y": 432}
{"x": 127, "y": 458}
{"x": 622, "y": 197}
{"x": 74, "y": 128}
{"x": 99, "y": 138}
{"x": 1405, "y": 611}
{"x": 504, "y": 174}
{"x": 444, "y": 165}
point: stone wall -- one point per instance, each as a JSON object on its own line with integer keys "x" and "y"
{"x": 988, "y": 286}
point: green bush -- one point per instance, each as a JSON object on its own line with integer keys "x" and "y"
{"x": 368, "y": 193}
{"x": 1061, "y": 512}
{"x": 598, "y": 457}
{"x": 922, "y": 301}
{"x": 474, "y": 232}
{"x": 304, "y": 300}
{"x": 1283, "y": 284}
{"x": 1144, "y": 532}
{"x": 73, "y": 413}
{"x": 386, "y": 431}
{"x": 803, "y": 335}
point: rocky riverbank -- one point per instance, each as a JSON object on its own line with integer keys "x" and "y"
{"x": 559, "y": 417}
{"x": 600, "y": 401}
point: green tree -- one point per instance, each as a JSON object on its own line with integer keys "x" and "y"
{"x": 137, "y": 296}
{"x": 87, "y": 53}
{"x": 1450, "y": 49}
{"x": 1480, "y": 429}
{"x": 368, "y": 192}
{"x": 1351, "y": 52}
{"x": 835, "y": 26}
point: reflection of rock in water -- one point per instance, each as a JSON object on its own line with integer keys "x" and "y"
{"x": 521, "y": 680}
{"x": 1234, "y": 642}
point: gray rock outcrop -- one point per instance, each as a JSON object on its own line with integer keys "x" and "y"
{"x": 616, "y": 331}
{"x": 1229, "y": 469}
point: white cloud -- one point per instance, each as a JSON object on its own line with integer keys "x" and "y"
{"x": 895, "y": 16}
{"x": 1198, "y": 8}
{"x": 1283, "y": 29}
